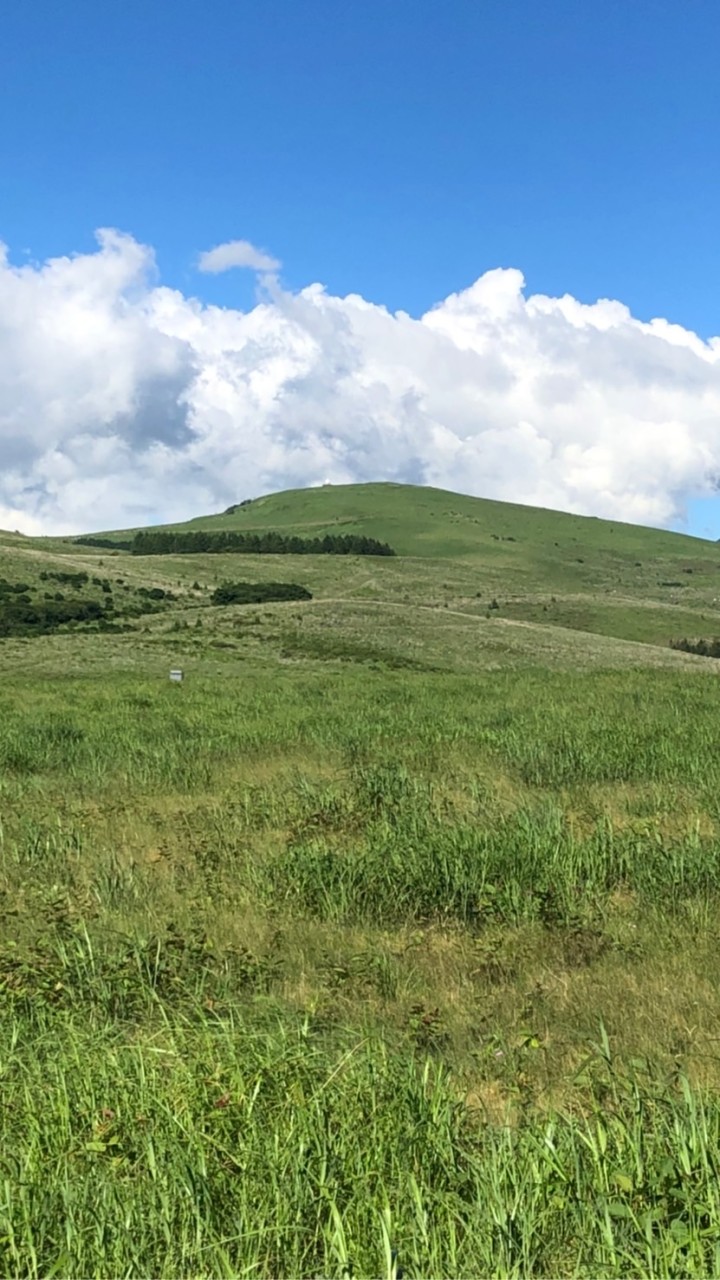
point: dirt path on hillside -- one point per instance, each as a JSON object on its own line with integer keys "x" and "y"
{"x": 429, "y": 608}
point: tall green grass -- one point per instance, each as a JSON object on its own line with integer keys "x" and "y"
{"x": 299, "y": 975}
{"x": 245, "y": 1145}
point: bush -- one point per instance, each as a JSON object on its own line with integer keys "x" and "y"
{"x": 76, "y": 580}
{"x": 703, "y": 648}
{"x": 258, "y": 592}
{"x": 25, "y": 619}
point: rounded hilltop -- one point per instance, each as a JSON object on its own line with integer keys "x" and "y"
{"x": 419, "y": 520}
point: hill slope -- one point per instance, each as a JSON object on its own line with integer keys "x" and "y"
{"x": 420, "y": 521}
{"x": 564, "y": 588}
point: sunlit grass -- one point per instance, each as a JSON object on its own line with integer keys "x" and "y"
{"x": 299, "y": 969}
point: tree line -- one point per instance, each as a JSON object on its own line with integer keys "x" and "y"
{"x": 105, "y": 544}
{"x": 203, "y": 542}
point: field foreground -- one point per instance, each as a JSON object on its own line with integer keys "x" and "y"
{"x": 387, "y": 941}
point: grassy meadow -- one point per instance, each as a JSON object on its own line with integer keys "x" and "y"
{"x": 386, "y": 943}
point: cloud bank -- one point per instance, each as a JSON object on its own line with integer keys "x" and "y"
{"x": 124, "y": 402}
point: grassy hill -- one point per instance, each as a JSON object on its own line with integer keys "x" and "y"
{"x": 538, "y": 573}
{"x": 391, "y": 928}
{"x": 422, "y": 521}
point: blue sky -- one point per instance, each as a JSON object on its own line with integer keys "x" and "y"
{"x": 393, "y": 150}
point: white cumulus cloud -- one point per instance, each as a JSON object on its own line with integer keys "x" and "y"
{"x": 124, "y": 402}
{"x": 236, "y": 253}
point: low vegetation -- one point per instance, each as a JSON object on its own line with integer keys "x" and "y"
{"x": 65, "y": 578}
{"x": 23, "y": 618}
{"x": 385, "y": 943}
{"x": 704, "y": 648}
{"x": 388, "y": 963}
{"x": 258, "y": 592}
{"x": 28, "y": 611}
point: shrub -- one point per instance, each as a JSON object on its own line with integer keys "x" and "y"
{"x": 77, "y": 580}
{"x": 26, "y": 619}
{"x": 703, "y": 648}
{"x": 258, "y": 592}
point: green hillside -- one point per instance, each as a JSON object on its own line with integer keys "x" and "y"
{"x": 507, "y": 576}
{"x": 420, "y": 521}
{"x": 386, "y": 940}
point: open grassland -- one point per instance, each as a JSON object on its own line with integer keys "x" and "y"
{"x": 389, "y": 938}
{"x": 299, "y": 967}
{"x": 474, "y": 558}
